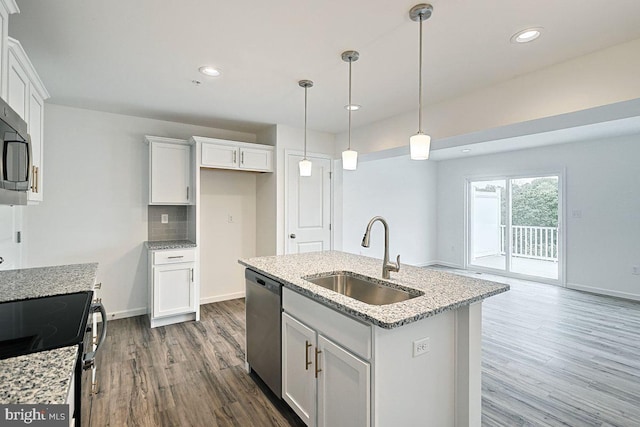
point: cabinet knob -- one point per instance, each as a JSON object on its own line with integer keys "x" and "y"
{"x": 292, "y": 236}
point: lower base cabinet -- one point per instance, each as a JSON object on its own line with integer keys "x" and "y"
{"x": 173, "y": 289}
{"x": 327, "y": 385}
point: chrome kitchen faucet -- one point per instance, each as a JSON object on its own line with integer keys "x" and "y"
{"x": 387, "y": 266}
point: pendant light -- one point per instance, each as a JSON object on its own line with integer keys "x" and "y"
{"x": 350, "y": 157}
{"x": 420, "y": 143}
{"x": 305, "y": 164}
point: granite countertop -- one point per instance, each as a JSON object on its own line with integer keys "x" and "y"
{"x": 442, "y": 291}
{"x": 46, "y": 281}
{"x": 43, "y": 377}
{"x": 170, "y": 244}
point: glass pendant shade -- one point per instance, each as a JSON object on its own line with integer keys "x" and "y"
{"x": 349, "y": 160}
{"x": 420, "y": 144}
{"x": 305, "y": 167}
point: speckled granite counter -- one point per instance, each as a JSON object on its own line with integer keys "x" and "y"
{"x": 170, "y": 244}
{"x": 45, "y": 281}
{"x": 43, "y": 377}
{"x": 442, "y": 291}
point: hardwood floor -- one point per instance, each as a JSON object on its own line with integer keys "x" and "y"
{"x": 189, "y": 374}
{"x": 551, "y": 357}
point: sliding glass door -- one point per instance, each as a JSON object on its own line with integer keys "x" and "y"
{"x": 514, "y": 226}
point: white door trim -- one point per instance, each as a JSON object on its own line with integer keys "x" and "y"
{"x": 288, "y": 152}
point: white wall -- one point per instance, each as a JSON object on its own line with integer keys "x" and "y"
{"x": 225, "y": 196}
{"x": 266, "y": 198}
{"x": 95, "y": 200}
{"x": 401, "y": 190}
{"x": 600, "y": 78}
{"x": 601, "y": 182}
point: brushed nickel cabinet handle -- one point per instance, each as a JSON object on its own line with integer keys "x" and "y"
{"x": 33, "y": 179}
{"x": 242, "y": 157}
{"x": 192, "y": 275}
{"x": 318, "y": 370}
{"x": 235, "y": 154}
{"x": 37, "y": 177}
{"x": 307, "y": 362}
{"x": 175, "y": 257}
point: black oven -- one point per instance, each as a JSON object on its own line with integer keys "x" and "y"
{"x": 40, "y": 324}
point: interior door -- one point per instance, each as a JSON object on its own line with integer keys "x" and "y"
{"x": 308, "y": 206}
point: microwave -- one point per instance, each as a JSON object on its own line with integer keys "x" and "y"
{"x": 15, "y": 160}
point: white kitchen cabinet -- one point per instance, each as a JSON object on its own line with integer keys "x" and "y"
{"x": 26, "y": 94}
{"x": 7, "y": 7}
{"x": 223, "y": 154}
{"x": 170, "y": 172}
{"x": 328, "y": 385}
{"x": 173, "y": 291}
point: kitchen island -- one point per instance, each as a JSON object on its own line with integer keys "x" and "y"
{"x": 415, "y": 362}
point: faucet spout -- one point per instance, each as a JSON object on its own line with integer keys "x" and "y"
{"x": 387, "y": 266}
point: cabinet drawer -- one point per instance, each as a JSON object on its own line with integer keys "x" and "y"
{"x": 174, "y": 256}
{"x": 346, "y": 331}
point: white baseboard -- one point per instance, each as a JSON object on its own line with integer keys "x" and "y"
{"x": 602, "y": 291}
{"x": 113, "y": 315}
{"x": 218, "y": 298}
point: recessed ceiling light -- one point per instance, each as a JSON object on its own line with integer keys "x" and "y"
{"x": 210, "y": 71}
{"x": 466, "y": 150}
{"x": 352, "y": 107}
{"x": 526, "y": 36}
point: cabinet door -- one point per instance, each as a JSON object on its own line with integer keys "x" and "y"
{"x": 17, "y": 86}
{"x": 219, "y": 156}
{"x": 35, "y": 124}
{"x": 170, "y": 173}
{"x": 343, "y": 387}
{"x": 173, "y": 289}
{"x": 298, "y": 374}
{"x": 255, "y": 159}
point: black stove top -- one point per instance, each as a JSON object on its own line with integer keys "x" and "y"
{"x": 39, "y": 324}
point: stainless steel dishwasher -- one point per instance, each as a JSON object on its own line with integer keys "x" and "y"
{"x": 263, "y": 321}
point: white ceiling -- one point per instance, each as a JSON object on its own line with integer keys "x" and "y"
{"x": 140, "y": 57}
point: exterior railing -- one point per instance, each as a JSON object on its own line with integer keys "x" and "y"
{"x": 531, "y": 242}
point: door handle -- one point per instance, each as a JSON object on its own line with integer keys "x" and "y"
{"x": 292, "y": 236}
{"x": 318, "y": 370}
{"x": 307, "y": 362}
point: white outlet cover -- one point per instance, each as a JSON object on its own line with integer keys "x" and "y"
{"x": 164, "y": 218}
{"x": 421, "y": 347}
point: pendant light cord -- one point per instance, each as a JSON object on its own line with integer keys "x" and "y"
{"x": 349, "y": 106}
{"x": 305, "y": 122}
{"x": 420, "y": 79}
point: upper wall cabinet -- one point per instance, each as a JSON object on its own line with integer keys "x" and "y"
{"x": 170, "y": 171}
{"x": 26, "y": 93}
{"x": 7, "y": 7}
{"x": 223, "y": 154}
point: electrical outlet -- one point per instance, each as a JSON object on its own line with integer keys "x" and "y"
{"x": 635, "y": 270}
{"x": 420, "y": 347}
{"x": 164, "y": 218}
{"x": 230, "y": 219}
{"x": 576, "y": 213}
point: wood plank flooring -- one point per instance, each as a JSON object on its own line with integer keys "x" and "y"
{"x": 551, "y": 357}
{"x": 189, "y": 374}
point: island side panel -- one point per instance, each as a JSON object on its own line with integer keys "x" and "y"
{"x": 416, "y": 391}
{"x": 469, "y": 365}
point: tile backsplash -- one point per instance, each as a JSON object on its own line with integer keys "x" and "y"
{"x": 175, "y": 229}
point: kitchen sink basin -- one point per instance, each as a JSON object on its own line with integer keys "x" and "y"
{"x": 362, "y": 288}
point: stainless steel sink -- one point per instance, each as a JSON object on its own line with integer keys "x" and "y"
{"x": 362, "y": 288}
